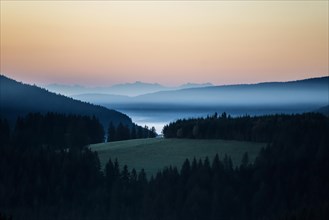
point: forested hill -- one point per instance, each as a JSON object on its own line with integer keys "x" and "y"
{"x": 18, "y": 99}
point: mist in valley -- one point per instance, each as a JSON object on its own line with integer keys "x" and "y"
{"x": 162, "y": 107}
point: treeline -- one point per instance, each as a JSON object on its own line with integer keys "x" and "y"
{"x": 265, "y": 128}
{"x": 288, "y": 181}
{"x": 55, "y": 131}
{"x": 61, "y": 131}
{"x": 124, "y": 132}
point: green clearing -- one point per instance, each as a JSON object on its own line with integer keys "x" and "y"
{"x": 153, "y": 154}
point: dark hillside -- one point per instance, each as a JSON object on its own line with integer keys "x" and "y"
{"x": 18, "y": 99}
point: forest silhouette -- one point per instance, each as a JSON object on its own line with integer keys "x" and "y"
{"x": 44, "y": 177}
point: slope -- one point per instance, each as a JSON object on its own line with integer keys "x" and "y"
{"x": 18, "y": 99}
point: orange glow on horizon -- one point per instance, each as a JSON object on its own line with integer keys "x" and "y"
{"x": 103, "y": 43}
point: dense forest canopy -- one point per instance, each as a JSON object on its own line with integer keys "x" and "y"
{"x": 57, "y": 131}
{"x": 266, "y": 128}
{"x": 287, "y": 181}
{"x": 123, "y": 132}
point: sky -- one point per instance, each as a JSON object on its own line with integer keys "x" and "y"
{"x": 110, "y": 42}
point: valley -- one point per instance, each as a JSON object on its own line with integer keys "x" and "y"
{"x": 164, "y": 110}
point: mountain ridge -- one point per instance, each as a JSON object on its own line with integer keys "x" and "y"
{"x": 260, "y": 84}
{"x": 291, "y": 96}
{"x": 127, "y": 89}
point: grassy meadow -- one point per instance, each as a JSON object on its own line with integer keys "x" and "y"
{"x": 153, "y": 154}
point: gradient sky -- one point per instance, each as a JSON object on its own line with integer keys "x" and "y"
{"x": 103, "y": 43}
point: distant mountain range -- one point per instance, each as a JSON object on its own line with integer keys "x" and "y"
{"x": 313, "y": 90}
{"x": 300, "y": 95}
{"x": 263, "y": 98}
{"x": 18, "y": 99}
{"x": 126, "y": 89}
